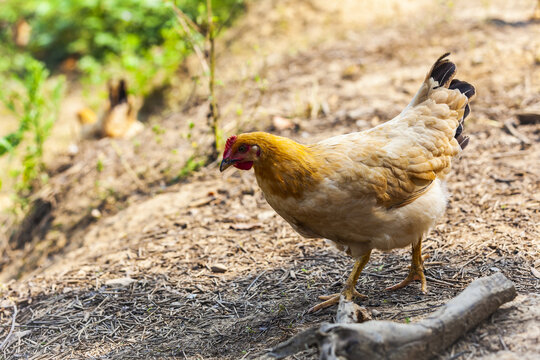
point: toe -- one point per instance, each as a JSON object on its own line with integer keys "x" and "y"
{"x": 402, "y": 284}
{"x": 358, "y": 295}
{"x": 328, "y": 297}
{"x": 332, "y": 301}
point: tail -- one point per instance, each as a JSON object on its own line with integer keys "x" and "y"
{"x": 468, "y": 90}
{"x": 120, "y": 113}
{"x": 442, "y": 75}
{"x": 117, "y": 93}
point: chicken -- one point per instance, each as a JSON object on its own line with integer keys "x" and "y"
{"x": 377, "y": 189}
{"x": 119, "y": 117}
{"x": 88, "y": 120}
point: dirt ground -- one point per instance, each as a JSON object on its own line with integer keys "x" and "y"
{"x": 135, "y": 262}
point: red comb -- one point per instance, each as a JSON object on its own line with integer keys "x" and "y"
{"x": 228, "y": 146}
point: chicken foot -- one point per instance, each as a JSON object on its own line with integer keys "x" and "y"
{"x": 349, "y": 292}
{"x": 416, "y": 271}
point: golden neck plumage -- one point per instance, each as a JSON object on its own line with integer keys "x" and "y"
{"x": 284, "y": 168}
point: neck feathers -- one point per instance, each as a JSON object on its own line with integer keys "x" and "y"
{"x": 285, "y": 168}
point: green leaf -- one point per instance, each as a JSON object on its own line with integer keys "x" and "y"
{"x": 9, "y": 142}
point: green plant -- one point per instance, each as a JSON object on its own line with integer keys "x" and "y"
{"x": 36, "y": 108}
{"x": 158, "y": 131}
{"x": 192, "y": 164}
{"x": 99, "y": 164}
{"x": 191, "y": 125}
{"x": 202, "y": 33}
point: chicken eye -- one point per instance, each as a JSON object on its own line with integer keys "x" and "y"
{"x": 242, "y": 148}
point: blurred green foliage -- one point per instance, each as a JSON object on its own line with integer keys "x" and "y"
{"x": 136, "y": 39}
{"x": 34, "y": 100}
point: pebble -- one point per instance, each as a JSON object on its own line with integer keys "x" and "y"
{"x": 122, "y": 282}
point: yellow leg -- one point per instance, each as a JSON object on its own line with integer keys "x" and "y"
{"x": 417, "y": 269}
{"x": 349, "y": 292}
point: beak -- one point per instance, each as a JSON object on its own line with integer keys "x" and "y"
{"x": 225, "y": 163}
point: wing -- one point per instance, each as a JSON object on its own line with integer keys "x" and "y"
{"x": 398, "y": 161}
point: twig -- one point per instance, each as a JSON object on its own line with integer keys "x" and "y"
{"x": 442, "y": 282}
{"x": 128, "y": 168}
{"x": 4, "y": 343}
{"x": 186, "y": 19}
{"x": 229, "y": 18}
{"x": 254, "y": 281}
{"x": 503, "y": 343}
{"x": 458, "y": 355}
{"x": 509, "y": 125}
{"x": 506, "y": 154}
{"x": 475, "y": 257}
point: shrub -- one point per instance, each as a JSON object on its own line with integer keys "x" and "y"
{"x": 136, "y": 39}
{"x": 36, "y": 108}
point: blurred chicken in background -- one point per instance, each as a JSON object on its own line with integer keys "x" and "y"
{"x": 89, "y": 123}
{"x": 119, "y": 119}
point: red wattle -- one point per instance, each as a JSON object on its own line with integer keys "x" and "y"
{"x": 244, "y": 165}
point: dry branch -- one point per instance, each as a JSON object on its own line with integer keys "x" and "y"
{"x": 351, "y": 313}
{"x": 390, "y": 340}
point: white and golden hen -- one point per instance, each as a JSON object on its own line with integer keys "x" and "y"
{"x": 377, "y": 189}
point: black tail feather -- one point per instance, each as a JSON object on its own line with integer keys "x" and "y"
{"x": 464, "y": 87}
{"x": 468, "y": 90}
{"x": 122, "y": 91}
{"x": 463, "y": 141}
{"x": 443, "y": 71}
{"x": 117, "y": 92}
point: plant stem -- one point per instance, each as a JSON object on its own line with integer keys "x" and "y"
{"x": 214, "y": 115}
{"x": 188, "y": 26}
